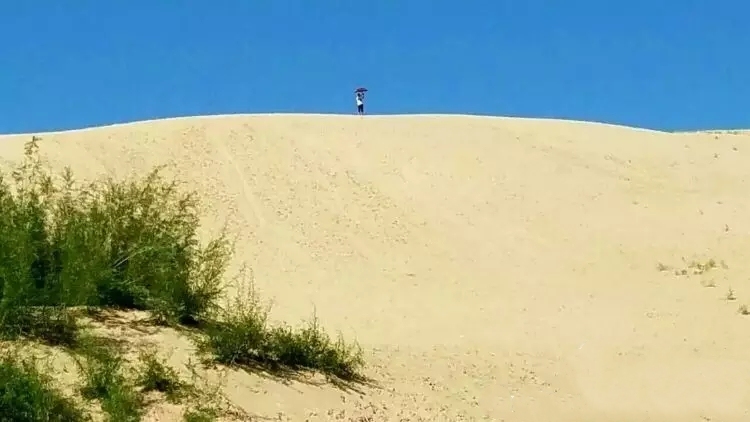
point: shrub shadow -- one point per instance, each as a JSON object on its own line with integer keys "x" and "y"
{"x": 286, "y": 375}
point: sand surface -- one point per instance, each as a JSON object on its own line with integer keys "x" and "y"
{"x": 492, "y": 268}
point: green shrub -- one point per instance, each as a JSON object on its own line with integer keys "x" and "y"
{"x": 312, "y": 348}
{"x": 243, "y": 337}
{"x": 26, "y": 395}
{"x": 239, "y": 336}
{"x": 130, "y": 245}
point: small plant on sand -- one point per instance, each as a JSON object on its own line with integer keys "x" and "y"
{"x": 206, "y": 401}
{"x": 26, "y": 395}
{"x": 105, "y": 380}
{"x": 730, "y": 294}
{"x": 200, "y": 414}
{"x": 660, "y": 266}
{"x": 743, "y": 310}
{"x": 155, "y": 375}
{"x": 702, "y": 267}
{"x": 708, "y": 283}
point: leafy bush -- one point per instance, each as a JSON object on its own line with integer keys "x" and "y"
{"x": 121, "y": 244}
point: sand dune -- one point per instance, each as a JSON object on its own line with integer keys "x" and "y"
{"x": 492, "y": 268}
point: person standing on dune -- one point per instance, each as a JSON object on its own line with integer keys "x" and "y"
{"x": 360, "y": 103}
{"x": 360, "y": 98}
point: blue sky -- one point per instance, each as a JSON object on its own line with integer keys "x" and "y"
{"x": 669, "y": 64}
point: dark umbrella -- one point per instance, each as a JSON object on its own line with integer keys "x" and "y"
{"x": 360, "y": 90}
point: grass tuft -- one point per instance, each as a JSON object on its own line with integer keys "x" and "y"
{"x": 104, "y": 380}
{"x": 155, "y": 375}
{"x": 200, "y": 415}
{"x": 311, "y": 347}
{"x": 243, "y": 337}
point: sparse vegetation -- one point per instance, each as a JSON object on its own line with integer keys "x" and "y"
{"x": 105, "y": 380}
{"x": 155, "y": 375}
{"x": 702, "y": 267}
{"x": 200, "y": 414}
{"x": 26, "y": 395}
{"x": 243, "y": 337}
{"x": 730, "y": 294}
{"x": 694, "y": 267}
{"x": 125, "y": 245}
{"x": 708, "y": 283}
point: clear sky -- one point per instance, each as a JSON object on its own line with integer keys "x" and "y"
{"x": 662, "y": 64}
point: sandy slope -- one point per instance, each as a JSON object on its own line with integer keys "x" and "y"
{"x": 494, "y": 269}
